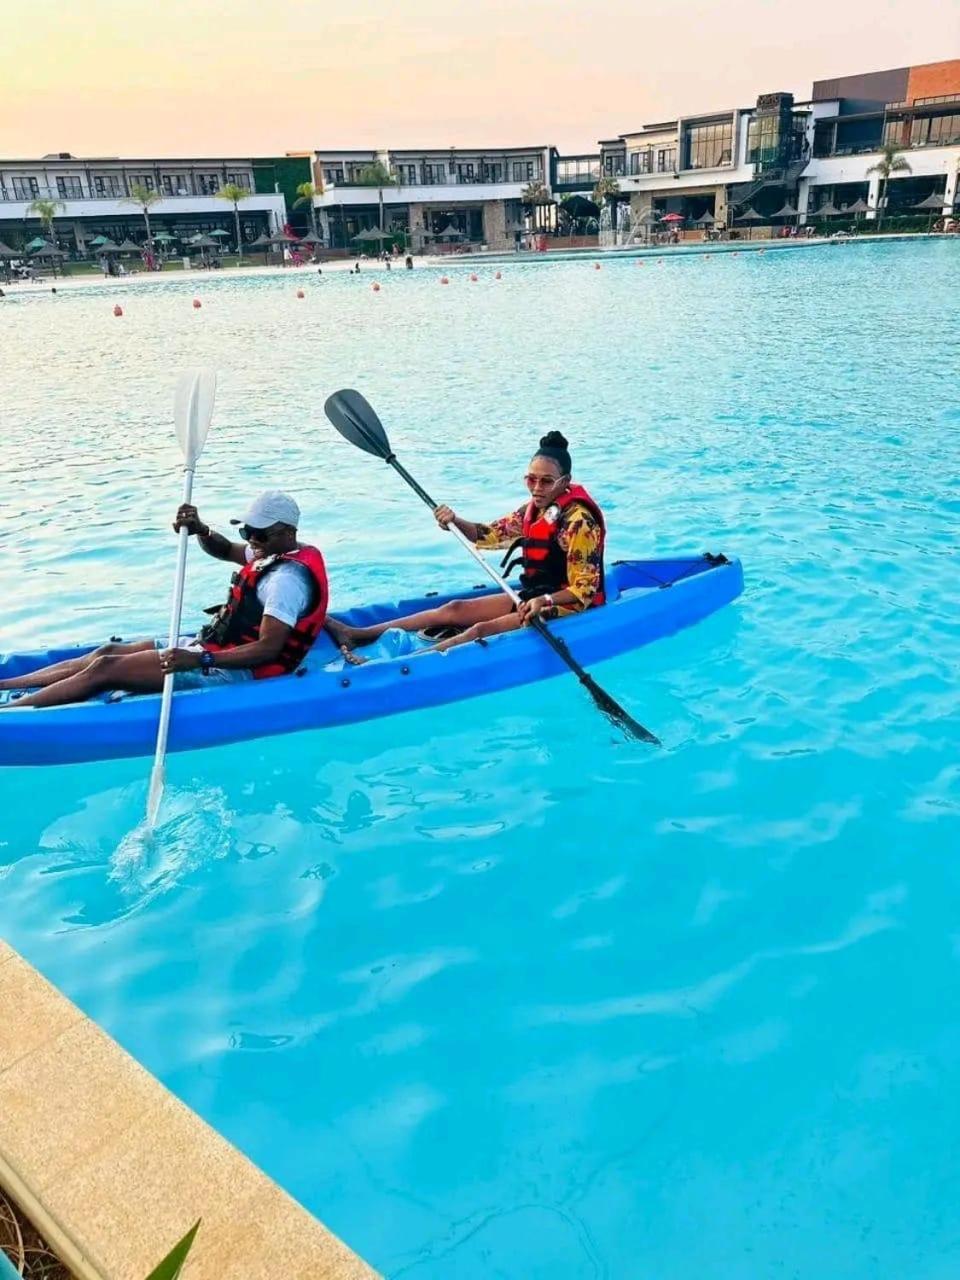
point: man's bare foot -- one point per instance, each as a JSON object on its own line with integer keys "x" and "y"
{"x": 345, "y": 637}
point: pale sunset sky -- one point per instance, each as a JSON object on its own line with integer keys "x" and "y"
{"x": 257, "y": 77}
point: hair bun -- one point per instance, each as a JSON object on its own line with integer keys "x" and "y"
{"x": 553, "y": 440}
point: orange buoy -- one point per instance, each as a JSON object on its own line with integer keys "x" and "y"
{"x": 444, "y": 280}
{"x": 118, "y": 310}
{"x": 301, "y": 294}
{"x": 196, "y": 304}
{"x": 376, "y": 287}
{"x": 498, "y": 276}
{"x": 473, "y": 279}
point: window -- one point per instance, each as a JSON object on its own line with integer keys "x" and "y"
{"x": 666, "y": 159}
{"x": 434, "y": 174}
{"x": 465, "y": 173}
{"x": 240, "y": 180}
{"x": 936, "y": 131}
{"x": 641, "y": 161}
{"x": 491, "y": 172}
{"x": 707, "y": 146}
{"x": 407, "y": 173}
{"x": 518, "y": 171}
{"x": 355, "y": 173}
{"x": 69, "y": 188}
{"x": 142, "y": 180}
{"x": 333, "y": 174}
{"x": 106, "y": 185}
{"x": 208, "y": 184}
{"x": 25, "y": 188}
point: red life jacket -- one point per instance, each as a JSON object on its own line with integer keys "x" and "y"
{"x": 238, "y": 618}
{"x": 544, "y": 560}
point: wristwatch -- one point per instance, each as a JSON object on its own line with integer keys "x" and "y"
{"x": 206, "y": 662}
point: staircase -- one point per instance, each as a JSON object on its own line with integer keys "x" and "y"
{"x": 745, "y": 192}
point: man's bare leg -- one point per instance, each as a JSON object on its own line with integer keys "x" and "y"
{"x": 137, "y": 672}
{"x": 45, "y": 676}
{"x": 479, "y": 631}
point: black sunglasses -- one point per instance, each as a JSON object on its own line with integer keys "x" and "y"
{"x": 247, "y": 532}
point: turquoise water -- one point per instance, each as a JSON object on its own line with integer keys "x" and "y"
{"x": 492, "y": 993}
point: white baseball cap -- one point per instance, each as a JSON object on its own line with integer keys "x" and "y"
{"x": 272, "y": 507}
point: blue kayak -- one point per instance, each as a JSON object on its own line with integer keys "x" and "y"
{"x": 646, "y": 599}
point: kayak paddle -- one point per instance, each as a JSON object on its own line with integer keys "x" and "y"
{"x": 192, "y": 411}
{"x": 357, "y": 422}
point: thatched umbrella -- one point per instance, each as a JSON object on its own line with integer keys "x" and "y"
{"x": 129, "y": 246}
{"x": 263, "y": 242}
{"x": 934, "y": 203}
{"x": 788, "y": 211}
{"x": 7, "y": 252}
{"x": 828, "y": 210}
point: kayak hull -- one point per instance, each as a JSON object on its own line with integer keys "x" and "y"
{"x": 647, "y": 600}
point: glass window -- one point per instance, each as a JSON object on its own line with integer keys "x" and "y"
{"x": 26, "y": 188}
{"x": 208, "y": 184}
{"x": 69, "y": 188}
{"x": 518, "y": 171}
{"x": 107, "y": 184}
{"x": 666, "y": 159}
{"x": 465, "y": 173}
{"x": 491, "y": 172}
{"x": 142, "y": 180}
{"x": 333, "y": 174}
{"x": 707, "y": 146}
{"x": 240, "y": 180}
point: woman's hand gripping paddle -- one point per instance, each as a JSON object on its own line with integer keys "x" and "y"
{"x": 192, "y": 411}
{"x": 356, "y": 421}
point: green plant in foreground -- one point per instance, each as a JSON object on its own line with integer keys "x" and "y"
{"x": 172, "y": 1265}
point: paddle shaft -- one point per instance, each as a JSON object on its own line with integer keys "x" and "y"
{"x": 166, "y": 701}
{"x": 555, "y": 643}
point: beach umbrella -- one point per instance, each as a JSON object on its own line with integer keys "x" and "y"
{"x": 750, "y": 215}
{"x": 450, "y": 232}
{"x": 164, "y": 237}
{"x": 282, "y": 238}
{"x": 934, "y": 203}
{"x": 45, "y": 250}
{"x": 310, "y": 238}
{"x": 706, "y": 219}
{"x": 97, "y": 241}
{"x": 858, "y": 206}
{"x": 202, "y": 242}
{"x": 220, "y": 232}
{"x": 37, "y": 243}
{"x": 261, "y": 242}
{"x": 788, "y": 211}
{"x": 108, "y": 246}
{"x": 673, "y": 217}
{"x": 128, "y": 246}
{"x": 7, "y": 252}
{"x": 828, "y": 210}
{"x": 580, "y": 207}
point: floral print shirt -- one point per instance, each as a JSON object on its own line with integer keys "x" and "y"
{"x": 578, "y": 536}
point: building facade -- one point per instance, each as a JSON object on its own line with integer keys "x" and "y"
{"x": 93, "y": 197}
{"x": 476, "y": 194}
{"x": 914, "y": 109}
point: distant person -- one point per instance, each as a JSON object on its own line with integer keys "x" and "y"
{"x": 356, "y": 267}
{"x": 274, "y": 610}
{"x": 408, "y": 262}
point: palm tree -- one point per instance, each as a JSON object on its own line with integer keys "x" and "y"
{"x": 305, "y": 195}
{"x": 534, "y": 195}
{"x": 379, "y": 176}
{"x": 605, "y": 187}
{"x": 890, "y": 162}
{"x": 46, "y": 211}
{"x": 234, "y": 194}
{"x": 144, "y": 198}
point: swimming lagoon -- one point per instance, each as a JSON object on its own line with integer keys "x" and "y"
{"x": 490, "y": 991}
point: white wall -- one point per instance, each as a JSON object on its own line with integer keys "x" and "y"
{"x": 446, "y": 194}
{"x": 924, "y": 162}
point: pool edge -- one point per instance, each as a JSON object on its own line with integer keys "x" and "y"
{"x": 113, "y": 1169}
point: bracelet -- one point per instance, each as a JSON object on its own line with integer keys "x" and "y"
{"x": 550, "y": 601}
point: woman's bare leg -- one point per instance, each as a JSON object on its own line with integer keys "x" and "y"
{"x": 458, "y": 613}
{"x": 480, "y": 630}
{"x": 137, "y": 672}
{"x": 71, "y": 666}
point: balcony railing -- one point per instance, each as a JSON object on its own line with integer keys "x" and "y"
{"x": 10, "y": 196}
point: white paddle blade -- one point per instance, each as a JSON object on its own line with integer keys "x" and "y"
{"x": 155, "y": 794}
{"x": 192, "y": 411}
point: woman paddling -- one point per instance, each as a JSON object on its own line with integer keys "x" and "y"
{"x": 559, "y": 535}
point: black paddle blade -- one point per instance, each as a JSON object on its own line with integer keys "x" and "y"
{"x": 356, "y": 421}
{"x": 616, "y": 714}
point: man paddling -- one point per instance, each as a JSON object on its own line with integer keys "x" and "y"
{"x": 274, "y": 610}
